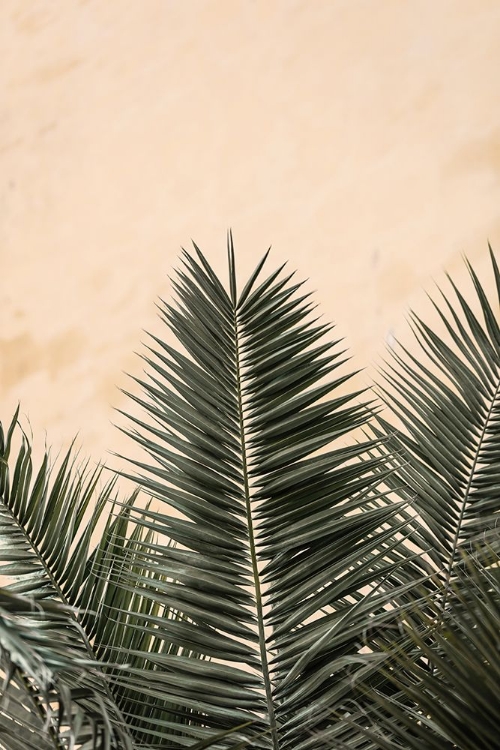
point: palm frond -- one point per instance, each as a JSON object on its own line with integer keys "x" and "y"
{"x": 447, "y": 398}
{"x": 50, "y": 683}
{"x": 121, "y": 614}
{"x": 287, "y": 586}
{"x": 45, "y": 540}
{"x": 287, "y": 551}
{"x": 445, "y": 455}
{"x": 454, "y": 688}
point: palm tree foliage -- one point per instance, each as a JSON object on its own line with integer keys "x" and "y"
{"x": 46, "y": 654}
{"x": 452, "y": 691}
{"x": 48, "y": 696}
{"x": 288, "y": 585}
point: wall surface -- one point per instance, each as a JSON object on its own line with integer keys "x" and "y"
{"x": 361, "y": 138}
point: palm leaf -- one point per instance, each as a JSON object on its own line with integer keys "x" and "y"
{"x": 454, "y": 690}
{"x": 122, "y": 621}
{"x": 254, "y": 599}
{"x": 447, "y": 398}
{"x": 51, "y": 695}
{"x": 46, "y": 527}
{"x": 287, "y": 551}
{"x": 445, "y": 455}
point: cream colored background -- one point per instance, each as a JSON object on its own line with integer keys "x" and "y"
{"x": 360, "y": 138}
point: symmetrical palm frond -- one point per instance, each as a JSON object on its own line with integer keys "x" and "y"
{"x": 283, "y": 535}
{"x": 447, "y": 399}
{"x": 326, "y": 532}
{"x": 44, "y": 556}
{"x": 454, "y": 688}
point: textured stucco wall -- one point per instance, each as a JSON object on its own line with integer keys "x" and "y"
{"x": 360, "y": 138}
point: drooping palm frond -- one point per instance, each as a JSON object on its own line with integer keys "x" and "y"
{"x": 45, "y": 539}
{"x": 287, "y": 550}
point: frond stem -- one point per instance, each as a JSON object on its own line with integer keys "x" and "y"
{"x": 253, "y": 553}
{"x": 466, "y": 498}
{"x": 81, "y": 630}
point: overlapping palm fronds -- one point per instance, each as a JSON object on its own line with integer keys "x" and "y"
{"x": 448, "y": 699}
{"x": 446, "y": 459}
{"x": 51, "y": 694}
{"x": 286, "y": 587}
{"x": 44, "y": 549}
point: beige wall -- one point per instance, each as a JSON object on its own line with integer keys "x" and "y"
{"x": 360, "y": 138}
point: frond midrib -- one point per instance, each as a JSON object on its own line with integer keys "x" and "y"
{"x": 251, "y": 541}
{"x": 60, "y": 594}
{"x": 466, "y": 495}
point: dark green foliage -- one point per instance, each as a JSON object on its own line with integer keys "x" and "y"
{"x": 287, "y": 585}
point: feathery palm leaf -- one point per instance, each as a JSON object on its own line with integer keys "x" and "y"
{"x": 254, "y": 599}
{"x": 448, "y": 402}
{"x": 281, "y": 529}
{"x": 446, "y": 459}
{"x": 44, "y": 550}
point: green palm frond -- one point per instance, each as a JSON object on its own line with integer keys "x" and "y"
{"x": 447, "y": 398}
{"x": 46, "y": 525}
{"x": 45, "y": 535}
{"x": 454, "y": 689}
{"x": 287, "y": 550}
{"x": 50, "y": 684}
{"x": 286, "y": 586}
{"x": 446, "y": 459}
{"x": 123, "y": 620}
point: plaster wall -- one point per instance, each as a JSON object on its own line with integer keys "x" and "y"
{"x": 360, "y": 138}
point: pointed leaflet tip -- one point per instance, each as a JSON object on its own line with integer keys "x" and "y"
{"x": 232, "y": 268}
{"x": 6, "y": 441}
{"x": 210, "y": 273}
{"x": 204, "y": 262}
{"x": 495, "y": 269}
{"x": 251, "y": 281}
